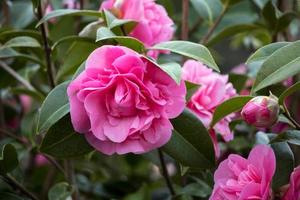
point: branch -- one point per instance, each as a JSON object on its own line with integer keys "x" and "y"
{"x": 14, "y": 74}
{"x": 69, "y": 167}
{"x": 185, "y": 16}
{"x": 16, "y": 185}
{"x": 165, "y": 173}
{"x": 214, "y": 26}
{"x": 287, "y": 114}
{"x": 46, "y": 47}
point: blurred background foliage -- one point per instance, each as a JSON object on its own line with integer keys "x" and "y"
{"x": 245, "y": 26}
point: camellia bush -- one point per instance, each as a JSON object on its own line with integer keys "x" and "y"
{"x": 145, "y": 99}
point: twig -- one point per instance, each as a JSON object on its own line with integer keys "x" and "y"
{"x": 215, "y": 25}
{"x": 71, "y": 178}
{"x": 14, "y": 74}
{"x": 165, "y": 173}
{"x": 55, "y": 164}
{"x": 185, "y": 16}
{"x": 81, "y": 4}
{"x": 288, "y": 115}
{"x": 6, "y": 14}
{"x": 15, "y": 184}
{"x": 195, "y": 26}
{"x": 47, "y": 49}
{"x": 19, "y": 139}
{"x": 2, "y": 119}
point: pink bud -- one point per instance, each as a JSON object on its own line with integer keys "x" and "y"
{"x": 261, "y": 111}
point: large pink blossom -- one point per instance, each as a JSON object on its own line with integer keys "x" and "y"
{"x": 122, "y": 102}
{"x": 238, "y": 178}
{"x": 153, "y": 23}
{"x": 214, "y": 90}
{"x": 293, "y": 192}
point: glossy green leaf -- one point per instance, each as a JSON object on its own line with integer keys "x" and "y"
{"x": 284, "y": 164}
{"x": 104, "y": 35}
{"x": 190, "y": 144}
{"x": 61, "y": 141}
{"x": 285, "y": 20}
{"x": 294, "y": 88}
{"x": 279, "y": 66}
{"x": 69, "y": 12}
{"x": 238, "y": 81}
{"x": 90, "y": 30}
{"x": 55, "y": 106}
{"x": 291, "y": 136}
{"x": 198, "y": 189}
{"x": 189, "y": 49}
{"x": 269, "y": 14}
{"x": 22, "y": 41}
{"x": 208, "y": 9}
{"x": 173, "y": 70}
{"x": 9, "y": 159}
{"x": 143, "y": 193}
{"x": 9, "y": 34}
{"x": 76, "y": 54}
{"x": 229, "y": 106}
{"x": 72, "y": 38}
{"x": 191, "y": 88}
{"x": 10, "y": 53}
{"x": 60, "y": 191}
{"x": 230, "y": 31}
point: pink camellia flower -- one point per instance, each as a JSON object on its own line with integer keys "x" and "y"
{"x": 122, "y": 102}
{"x": 153, "y": 23}
{"x": 261, "y": 111}
{"x": 238, "y": 178}
{"x": 293, "y": 192}
{"x": 214, "y": 89}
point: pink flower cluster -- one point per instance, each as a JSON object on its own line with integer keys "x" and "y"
{"x": 122, "y": 102}
{"x": 214, "y": 89}
{"x": 153, "y": 23}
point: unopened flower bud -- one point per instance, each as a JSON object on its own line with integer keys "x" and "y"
{"x": 261, "y": 111}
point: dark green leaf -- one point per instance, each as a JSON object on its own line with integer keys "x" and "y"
{"x": 34, "y": 94}
{"x": 72, "y": 38}
{"x": 281, "y": 65}
{"x": 69, "y": 12}
{"x": 190, "y": 144}
{"x": 61, "y": 141}
{"x": 10, "y": 53}
{"x": 294, "y": 88}
{"x": 10, "y": 196}
{"x": 9, "y": 159}
{"x": 143, "y": 193}
{"x": 104, "y": 34}
{"x": 285, "y": 20}
{"x": 284, "y": 164}
{"x": 60, "y": 191}
{"x": 238, "y": 81}
{"x": 199, "y": 189}
{"x": 189, "y": 49}
{"x": 7, "y": 35}
{"x": 292, "y": 137}
{"x": 229, "y": 106}
{"x": 208, "y": 9}
{"x": 269, "y": 14}
{"x": 191, "y": 88}
{"x": 55, "y": 106}
{"x": 22, "y": 41}
{"x": 230, "y": 2}
{"x": 173, "y": 70}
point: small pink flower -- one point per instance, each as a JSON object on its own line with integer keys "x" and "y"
{"x": 261, "y": 111}
{"x": 154, "y": 25}
{"x": 293, "y": 192}
{"x": 71, "y": 4}
{"x": 122, "y": 102}
{"x": 26, "y": 102}
{"x": 238, "y": 178}
{"x": 40, "y": 160}
{"x": 214, "y": 89}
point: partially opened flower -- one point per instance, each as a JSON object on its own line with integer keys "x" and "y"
{"x": 293, "y": 192}
{"x": 238, "y": 178}
{"x": 122, "y": 102}
{"x": 214, "y": 90}
{"x": 153, "y": 23}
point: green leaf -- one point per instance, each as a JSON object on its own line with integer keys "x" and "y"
{"x": 229, "y": 106}
{"x": 22, "y": 41}
{"x": 230, "y": 2}
{"x": 10, "y": 53}
{"x": 90, "y": 30}
{"x": 60, "y": 191}
{"x": 191, "y": 88}
{"x": 238, "y": 81}
{"x": 269, "y": 14}
{"x": 61, "y": 141}
{"x": 72, "y": 38}
{"x": 285, "y": 20}
{"x": 189, "y": 49}
{"x": 79, "y": 70}
{"x": 69, "y": 12}
{"x": 104, "y": 34}
{"x": 55, "y": 106}
{"x": 76, "y": 54}
{"x": 208, "y": 9}
{"x": 282, "y": 64}
{"x": 198, "y": 189}
{"x": 292, "y": 137}
{"x": 21, "y": 14}
{"x": 230, "y": 31}
{"x": 190, "y": 144}
{"x": 34, "y": 94}
{"x": 294, "y": 88}
{"x": 143, "y": 193}
{"x": 284, "y": 164}
{"x": 7, "y": 35}
{"x": 9, "y": 159}
{"x": 173, "y": 70}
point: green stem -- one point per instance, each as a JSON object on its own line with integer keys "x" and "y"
{"x": 165, "y": 173}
